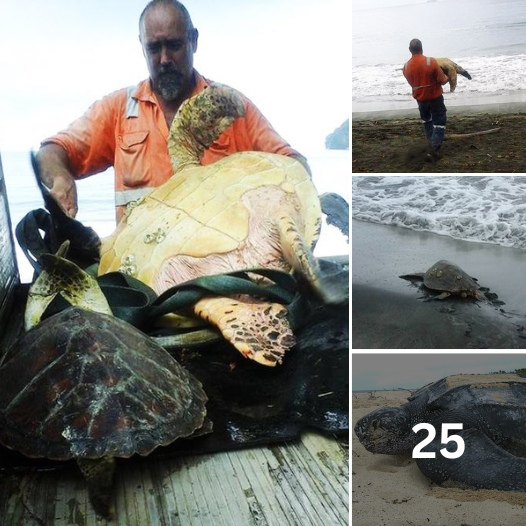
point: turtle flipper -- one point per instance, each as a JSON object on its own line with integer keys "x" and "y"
{"x": 450, "y": 70}
{"x": 443, "y": 296}
{"x": 99, "y": 474}
{"x": 483, "y": 464}
{"x": 301, "y": 259}
{"x": 452, "y": 76}
{"x": 60, "y": 276}
{"x": 416, "y": 275}
{"x": 259, "y": 331}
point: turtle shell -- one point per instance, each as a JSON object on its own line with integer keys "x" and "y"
{"x": 249, "y": 209}
{"x": 85, "y": 385}
{"x": 448, "y": 277}
{"x": 440, "y": 391}
{"x": 494, "y": 403}
{"x": 215, "y": 218}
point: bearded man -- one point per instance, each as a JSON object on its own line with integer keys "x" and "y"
{"x": 128, "y": 129}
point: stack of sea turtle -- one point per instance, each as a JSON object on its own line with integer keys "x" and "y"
{"x": 83, "y": 384}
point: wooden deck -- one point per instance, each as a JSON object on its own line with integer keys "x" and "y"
{"x": 303, "y": 483}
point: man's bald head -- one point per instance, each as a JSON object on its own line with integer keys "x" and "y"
{"x": 415, "y": 46}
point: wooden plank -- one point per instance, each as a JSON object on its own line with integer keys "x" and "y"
{"x": 302, "y": 484}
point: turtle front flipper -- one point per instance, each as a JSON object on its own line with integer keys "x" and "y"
{"x": 299, "y": 256}
{"x": 99, "y": 474}
{"x": 483, "y": 464}
{"x": 258, "y": 330}
{"x": 62, "y": 277}
{"x": 443, "y": 296}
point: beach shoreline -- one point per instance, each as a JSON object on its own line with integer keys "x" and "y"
{"x": 391, "y": 313}
{"x": 393, "y": 141}
{"x": 470, "y": 108}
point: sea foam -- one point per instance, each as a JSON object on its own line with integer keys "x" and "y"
{"x": 489, "y": 209}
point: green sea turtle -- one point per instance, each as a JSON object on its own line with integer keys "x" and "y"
{"x": 250, "y": 209}
{"x": 85, "y": 385}
{"x": 451, "y": 70}
{"x": 492, "y": 411}
{"x": 448, "y": 278}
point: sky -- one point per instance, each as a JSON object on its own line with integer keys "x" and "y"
{"x": 372, "y": 4}
{"x": 290, "y": 57}
{"x": 404, "y": 370}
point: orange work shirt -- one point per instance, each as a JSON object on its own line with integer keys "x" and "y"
{"x": 127, "y": 130}
{"x": 425, "y": 77}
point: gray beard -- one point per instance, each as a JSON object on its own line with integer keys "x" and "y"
{"x": 170, "y": 85}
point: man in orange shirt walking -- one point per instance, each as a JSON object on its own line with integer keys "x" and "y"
{"x": 426, "y": 78}
{"x": 129, "y": 128}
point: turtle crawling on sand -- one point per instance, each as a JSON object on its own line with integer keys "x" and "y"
{"x": 448, "y": 278}
{"x": 492, "y": 411}
{"x": 85, "y": 385}
{"x": 248, "y": 210}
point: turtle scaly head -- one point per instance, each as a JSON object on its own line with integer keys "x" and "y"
{"x": 200, "y": 121}
{"x": 386, "y": 430}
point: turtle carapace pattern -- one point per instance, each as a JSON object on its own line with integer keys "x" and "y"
{"x": 447, "y": 278}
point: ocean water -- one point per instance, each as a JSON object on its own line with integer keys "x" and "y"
{"x": 486, "y": 37}
{"x": 481, "y": 209}
{"x": 330, "y": 168}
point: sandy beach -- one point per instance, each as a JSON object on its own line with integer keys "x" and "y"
{"x": 394, "y": 142}
{"x": 392, "y": 313}
{"x": 390, "y": 489}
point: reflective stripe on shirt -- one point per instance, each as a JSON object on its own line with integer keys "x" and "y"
{"x": 132, "y": 104}
{"x": 123, "y": 197}
{"x": 426, "y": 86}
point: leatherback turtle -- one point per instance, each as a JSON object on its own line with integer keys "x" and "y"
{"x": 447, "y": 278}
{"x": 84, "y": 385}
{"x": 492, "y": 410}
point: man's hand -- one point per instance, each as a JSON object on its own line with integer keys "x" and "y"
{"x": 56, "y": 175}
{"x": 64, "y": 191}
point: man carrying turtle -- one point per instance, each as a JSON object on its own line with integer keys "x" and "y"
{"x": 426, "y": 78}
{"x": 129, "y": 128}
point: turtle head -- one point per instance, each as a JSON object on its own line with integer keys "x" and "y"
{"x": 200, "y": 121}
{"x": 386, "y": 430}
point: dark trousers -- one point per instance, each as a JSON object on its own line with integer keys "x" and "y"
{"x": 433, "y": 115}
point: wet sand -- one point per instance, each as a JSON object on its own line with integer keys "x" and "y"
{"x": 390, "y": 489}
{"x": 394, "y": 142}
{"x": 391, "y": 313}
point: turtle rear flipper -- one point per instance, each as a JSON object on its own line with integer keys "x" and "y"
{"x": 483, "y": 465}
{"x": 99, "y": 474}
{"x": 258, "y": 330}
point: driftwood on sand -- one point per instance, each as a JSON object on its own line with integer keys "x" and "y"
{"x": 473, "y": 134}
